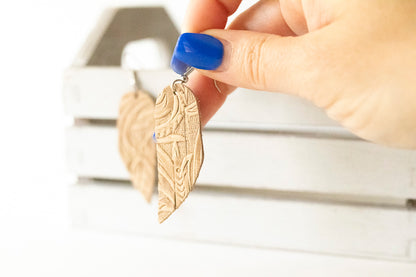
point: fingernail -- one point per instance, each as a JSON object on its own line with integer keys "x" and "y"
{"x": 178, "y": 66}
{"x": 197, "y": 50}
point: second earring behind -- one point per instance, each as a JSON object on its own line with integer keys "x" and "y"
{"x": 135, "y": 126}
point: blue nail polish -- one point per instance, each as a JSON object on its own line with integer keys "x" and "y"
{"x": 178, "y": 66}
{"x": 197, "y": 50}
{"x": 154, "y": 138}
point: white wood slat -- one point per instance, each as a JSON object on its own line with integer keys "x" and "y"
{"x": 267, "y": 161}
{"x": 94, "y": 92}
{"x": 232, "y": 218}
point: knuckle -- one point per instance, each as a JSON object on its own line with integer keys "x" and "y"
{"x": 252, "y": 65}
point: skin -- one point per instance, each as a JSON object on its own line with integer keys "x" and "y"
{"x": 355, "y": 59}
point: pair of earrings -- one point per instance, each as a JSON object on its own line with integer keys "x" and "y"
{"x": 176, "y": 143}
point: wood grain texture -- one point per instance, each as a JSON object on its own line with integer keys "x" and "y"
{"x": 179, "y": 147}
{"x": 137, "y": 149}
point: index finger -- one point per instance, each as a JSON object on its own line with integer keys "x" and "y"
{"x": 202, "y": 15}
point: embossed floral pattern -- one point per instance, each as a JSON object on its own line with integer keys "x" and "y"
{"x": 179, "y": 147}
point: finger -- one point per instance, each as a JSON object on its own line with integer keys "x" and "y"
{"x": 210, "y": 94}
{"x": 264, "y": 16}
{"x": 262, "y": 61}
{"x": 208, "y": 14}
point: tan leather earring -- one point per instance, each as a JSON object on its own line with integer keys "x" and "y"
{"x": 179, "y": 145}
{"x": 135, "y": 126}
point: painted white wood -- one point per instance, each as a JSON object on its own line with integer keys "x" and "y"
{"x": 240, "y": 218}
{"x": 94, "y": 92}
{"x": 267, "y": 161}
{"x": 244, "y": 220}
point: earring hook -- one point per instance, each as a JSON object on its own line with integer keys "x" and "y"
{"x": 184, "y": 78}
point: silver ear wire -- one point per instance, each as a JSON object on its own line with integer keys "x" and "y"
{"x": 184, "y": 78}
{"x": 217, "y": 87}
{"x": 144, "y": 54}
{"x": 135, "y": 80}
{"x": 186, "y": 74}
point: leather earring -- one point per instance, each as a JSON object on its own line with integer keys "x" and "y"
{"x": 179, "y": 145}
{"x": 135, "y": 126}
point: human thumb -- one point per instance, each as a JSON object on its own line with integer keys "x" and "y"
{"x": 247, "y": 59}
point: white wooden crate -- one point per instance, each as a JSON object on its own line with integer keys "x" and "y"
{"x": 304, "y": 184}
{"x": 235, "y": 217}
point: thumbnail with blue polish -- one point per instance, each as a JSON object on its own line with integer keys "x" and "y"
{"x": 178, "y": 66}
{"x": 197, "y": 50}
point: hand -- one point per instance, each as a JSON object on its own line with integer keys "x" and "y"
{"x": 355, "y": 59}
